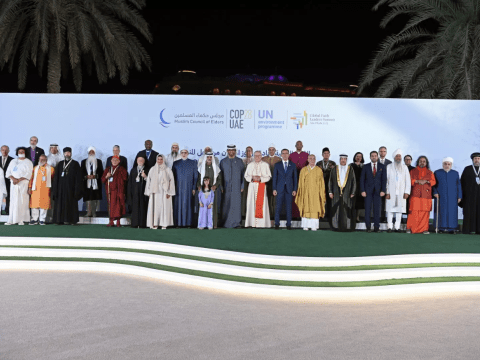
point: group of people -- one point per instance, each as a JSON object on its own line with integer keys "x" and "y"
{"x": 173, "y": 190}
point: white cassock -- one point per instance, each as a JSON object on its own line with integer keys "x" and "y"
{"x": 261, "y": 169}
{"x": 398, "y": 183}
{"x": 3, "y": 187}
{"x": 19, "y": 198}
{"x": 160, "y": 183}
{"x": 169, "y": 159}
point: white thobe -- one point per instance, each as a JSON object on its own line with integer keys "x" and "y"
{"x": 169, "y": 159}
{"x": 3, "y": 187}
{"x": 19, "y": 198}
{"x": 53, "y": 160}
{"x": 261, "y": 169}
{"x": 160, "y": 209}
{"x": 398, "y": 183}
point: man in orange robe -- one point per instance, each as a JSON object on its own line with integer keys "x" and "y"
{"x": 39, "y": 189}
{"x": 421, "y": 197}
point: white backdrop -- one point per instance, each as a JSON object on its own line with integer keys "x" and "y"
{"x": 435, "y": 128}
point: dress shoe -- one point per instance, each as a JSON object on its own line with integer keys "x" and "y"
{"x": 289, "y": 228}
{"x": 376, "y": 230}
{"x": 389, "y": 230}
{"x": 369, "y": 230}
{"x": 277, "y": 227}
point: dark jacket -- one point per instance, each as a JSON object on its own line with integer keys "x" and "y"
{"x": 38, "y": 152}
{"x": 371, "y": 184}
{"x": 280, "y": 177}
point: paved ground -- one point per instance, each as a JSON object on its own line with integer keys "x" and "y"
{"x": 68, "y": 315}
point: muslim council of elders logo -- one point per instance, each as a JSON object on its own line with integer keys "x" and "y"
{"x": 300, "y": 119}
{"x": 162, "y": 120}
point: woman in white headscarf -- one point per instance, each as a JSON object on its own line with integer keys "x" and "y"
{"x": 160, "y": 188}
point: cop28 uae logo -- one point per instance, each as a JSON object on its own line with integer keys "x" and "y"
{"x": 162, "y": 120}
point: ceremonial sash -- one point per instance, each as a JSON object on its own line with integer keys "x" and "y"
{"x": 259, "y": 202}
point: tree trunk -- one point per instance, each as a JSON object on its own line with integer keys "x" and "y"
{"x": 54, "y": 67}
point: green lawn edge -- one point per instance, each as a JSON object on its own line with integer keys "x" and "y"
{"x": 206, "y": 274}
{"x": 253, "y": 265}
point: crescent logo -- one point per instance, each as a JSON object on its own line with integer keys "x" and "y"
{"x": 162, "y": 121}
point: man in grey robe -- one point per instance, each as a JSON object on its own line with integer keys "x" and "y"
{"x": 233, "y": 171}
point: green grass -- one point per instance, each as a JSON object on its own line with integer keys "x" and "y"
{"x": 249, "y": 280}
{"x": 254, "y": 265}
{"x": 323, "y": 243}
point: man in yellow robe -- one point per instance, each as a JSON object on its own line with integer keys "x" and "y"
{"x": 310, "y": 197}
{"x": 39, "y": 189}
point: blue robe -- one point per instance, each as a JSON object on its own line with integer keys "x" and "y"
{"x": 185, "y": 174}
{"x": 233, "y": 171}
{"x": 450, "y": 190}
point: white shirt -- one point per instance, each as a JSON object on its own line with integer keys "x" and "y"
{"x": 4, "y": 160}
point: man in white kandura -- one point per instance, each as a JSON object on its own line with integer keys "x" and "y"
{"x": 19, "y": 172}
{"x": 398, "y": 190}
{"x": 173, "y": 156}
{"x": 160, "y": 188}
{"x": 257, "y": 174}
{"x": 3, "y": 188}
{"x": 54, "y": 156}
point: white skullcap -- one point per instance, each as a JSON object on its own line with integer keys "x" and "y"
{"x": 449, "y": 159}
{"x": 185, "y": 148}
{"x": 91, "y": 148}
{"x": 397, "y": 152}
{"x": 175, "y": 144}
{"x": 271, "y": 145}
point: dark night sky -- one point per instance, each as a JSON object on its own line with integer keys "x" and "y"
{"x": 326, "y": 42}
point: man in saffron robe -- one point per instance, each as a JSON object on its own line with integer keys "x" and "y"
{"x": 421, "y": 197}
{"x": 257, "y": 174}
{"x": 115, "y": 177}
{"x": 39, "y": 188}
{"x": 471, "y": 196}
{"x": 233, "y": 169}
{"x": 185, "y": 173}
{"x": 342, "y": 188}
{"x": 310, "y": 197}
{"x": 271, "y": 159}
{"x": 300, "y": 159}
{"x": 448, "y": 192}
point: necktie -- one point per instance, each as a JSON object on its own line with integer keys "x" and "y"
{"x": 285, "y": 163}
{"x": 374, "y": 170}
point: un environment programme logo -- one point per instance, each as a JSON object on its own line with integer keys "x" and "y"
{"x": 300, "y": 119}
{"x": 260, "y": 119}
{"x": 162, "y": 120}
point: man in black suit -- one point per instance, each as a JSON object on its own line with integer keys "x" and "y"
{"x": 33, "y": 152}
{"x": 4, "y": 162}
{"x": 373, "y": 185}
{"x": 408, "y": 161}
{"x": 148, "y": 153}
{"x": 123, "y": 159}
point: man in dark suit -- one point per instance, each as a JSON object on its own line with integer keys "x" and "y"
{"x": 4, "y": 162}
{"x": 123, "y": 159}
{"x": 284, "y": 185}
{"x": 373, "y": 185}
{"x": 149, "y": 154}
{"x": 382, "y": 151}
{"x": 408, "y": 161}
{"x": 33, "y": 152}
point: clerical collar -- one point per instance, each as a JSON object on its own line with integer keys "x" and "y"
{"x": 299, "y": 152}
{"x": 271, "y": 156}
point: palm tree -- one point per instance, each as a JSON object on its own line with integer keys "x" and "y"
{"x": 435, "y": 55}
{"x": 71, "y": 35}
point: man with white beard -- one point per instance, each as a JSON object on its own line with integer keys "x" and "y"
{"x": 19, "y": 172}
{"x": 208, "y": 149}
{"x": 39, "y": 188}
{"x": 398, "y": 190}
{"x": 54, "y": 157}
{"x": 92, "y": 171}
{"x": 173, "y": 156}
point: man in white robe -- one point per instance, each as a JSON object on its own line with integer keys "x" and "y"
{"x": 19, "y": 172}
{"x": 208, "y": 149}
{"x": 257, "y": 174}
{"x": 54, "y": 156}
{"x": 3, "y": 188}
{"x": 160, "y": 188}
{"x": 173, "y": 156}
{"x": 398, "y": 190}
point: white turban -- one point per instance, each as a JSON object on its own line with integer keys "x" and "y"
{"x": 175, "y": 144}
{"x": 447, "y": 159}
{"x": 397, "y": 152}
{"x": 271, "y": 146}
{"x": 91, "y": 148}
{"x": 185, "y": 148}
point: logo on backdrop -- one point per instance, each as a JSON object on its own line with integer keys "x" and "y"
{"x": 162, "y": 120}
{"x": 238, "y": 117}
{"x": 301, "y": 120}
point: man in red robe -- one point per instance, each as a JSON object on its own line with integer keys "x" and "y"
{"x": 115, "y": 179}
{"x": 421, "y": 197}
{"x": 300, "y": 159}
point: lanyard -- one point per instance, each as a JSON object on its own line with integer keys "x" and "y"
{"x": 477, "y": 173}
{"x": 325, "y": 164}
{"x": 65, "y": 166}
